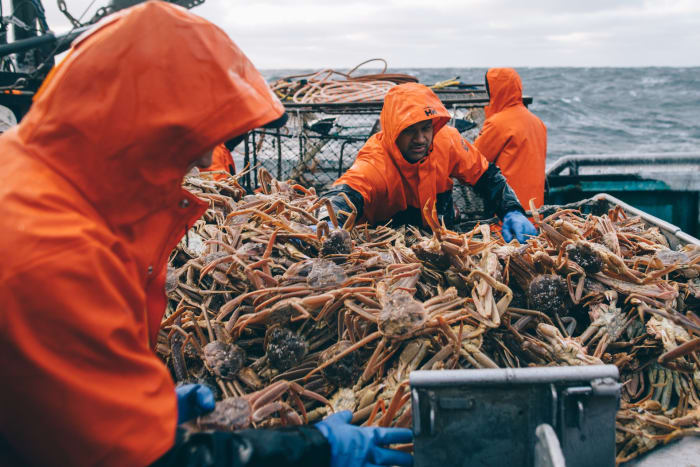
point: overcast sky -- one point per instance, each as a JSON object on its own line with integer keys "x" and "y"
{"x": 450, "y": 33}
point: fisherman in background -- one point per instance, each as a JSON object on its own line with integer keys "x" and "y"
{"x": 222, "y": 158}
{"x": 91, "y": 207}
{"x": 410, "y": 164}
{"x": 512, "y": 137}
{"x": 221, "y": 162}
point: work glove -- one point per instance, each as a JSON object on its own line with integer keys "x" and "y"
{"x": 193, "y": 400}
{"x": 515, "y": 224}
{"x": 354, "y": 446}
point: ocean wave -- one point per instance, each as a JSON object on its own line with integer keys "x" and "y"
{"x": 600, "y": 110}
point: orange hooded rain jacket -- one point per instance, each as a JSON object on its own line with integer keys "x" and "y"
{"x": 221, "y": 160}
{"x": 389, "y": 183}
{"x": 91, "y": 205}
{"x": 513, "y": 138}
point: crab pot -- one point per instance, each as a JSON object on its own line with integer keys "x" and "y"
{"x": 320, "y": 140}
{"x": 496, "y": 417}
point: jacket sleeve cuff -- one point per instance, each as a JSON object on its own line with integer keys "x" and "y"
{"x": 289, "y": 447}
{"x": 285, "y": 447}
{"x": 499, "y": 196}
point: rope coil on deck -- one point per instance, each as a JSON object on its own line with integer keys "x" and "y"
{"x": 321, "y": 86}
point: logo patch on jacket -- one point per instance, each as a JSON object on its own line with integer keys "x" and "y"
{"x": 429, "y": 111}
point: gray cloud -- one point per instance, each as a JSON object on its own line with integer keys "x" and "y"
{"x": 418, "y": 33}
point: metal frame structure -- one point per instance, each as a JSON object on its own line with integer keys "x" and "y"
{"x": 663, "y": 185}
{"x": 293, "y": 142}
{"x": 515, "y": 416}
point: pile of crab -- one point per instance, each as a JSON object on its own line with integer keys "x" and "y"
{"x": 288, "y": 320}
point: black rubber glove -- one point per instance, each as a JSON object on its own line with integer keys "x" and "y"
{"x": 339, "y": 203}
{"x": 500, "y": 197}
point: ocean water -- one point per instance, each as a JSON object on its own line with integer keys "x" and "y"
{"x": 598, "y": 110}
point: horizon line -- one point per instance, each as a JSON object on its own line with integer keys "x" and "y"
{"x": 475, "y": 66}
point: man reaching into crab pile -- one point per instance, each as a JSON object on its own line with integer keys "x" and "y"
{"x": 92, "y": 205}
{"x": 411, "y": 162}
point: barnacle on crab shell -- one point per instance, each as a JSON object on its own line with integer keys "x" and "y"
{"x": 284, "y": 348}
{"x": 548, "y": 293}
{"x": 585, "y": 256}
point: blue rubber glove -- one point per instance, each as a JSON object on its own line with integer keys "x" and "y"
{"x": 193, "y": 400}
{"x": 354, "y": 446}
{"x": 515, "y": 224}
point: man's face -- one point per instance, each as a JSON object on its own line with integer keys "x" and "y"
{"x": 414, "y": 142}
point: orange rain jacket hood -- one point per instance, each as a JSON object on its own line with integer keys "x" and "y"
{"x": 513, "y": 138}
{"x": 92, "y": 205}
{"x": 389, "y": 183}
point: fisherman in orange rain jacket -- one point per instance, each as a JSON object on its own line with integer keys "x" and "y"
{"x": 411, "y": 162}
{"x": 91, "y": 205}
{"x": 221, "y": 161}
{"x": 513, "y": 138}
